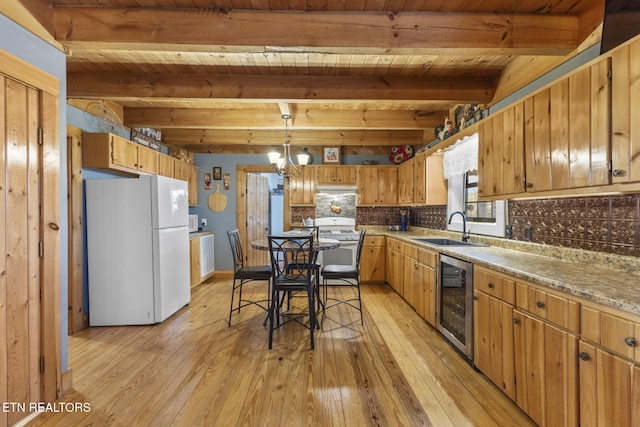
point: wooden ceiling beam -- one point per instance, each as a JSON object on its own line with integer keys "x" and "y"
{"x": 210, "y": 118}
{"x": 136, "y": 86}
{"x": 323, "y": 32}
{"x": 214, "y": 137}
{"x": 316, "y": 152}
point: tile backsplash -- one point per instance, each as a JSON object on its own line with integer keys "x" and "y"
{"x": 609, "y": 224}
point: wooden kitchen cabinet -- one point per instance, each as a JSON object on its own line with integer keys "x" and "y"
{"x": 372, "y": 260}
{"x": 167, "y": 165}
{"x": 377, "y": 185}
{"x": 302, "y": 188}
{"x": 420, "y": 281}
{"x": 501, "y": 153}
{"x": 546, "y": 372}
{"x": 406, "y": 182}
{"x": 609, "y": 372}
{"x": 567, "y": 135}
{"x": 336, "y": 175}
{"x": 201, "y": 257}
{"x": 188, "y": 172}
{"x": 494, "y": 299}
{"x": 625, "y": 116}
{"x": 112, "y": 152}
{"x": 394, "y": 271}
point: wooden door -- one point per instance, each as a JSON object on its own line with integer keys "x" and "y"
{"x": 257, "y": 217}
{"x": 20, "y": 198}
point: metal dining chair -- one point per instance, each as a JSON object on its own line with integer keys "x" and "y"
{"x": 243, "y": 274}
{"x": 293, "y": 272}
{"x": 343, "y": 276}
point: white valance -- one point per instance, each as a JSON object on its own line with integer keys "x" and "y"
{"x": 461, "y": 157}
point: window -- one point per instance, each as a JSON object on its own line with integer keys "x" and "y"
{"x": 475, "y": 210}
{"x": 483, "y": 217}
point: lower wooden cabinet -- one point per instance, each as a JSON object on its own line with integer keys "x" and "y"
{"x": 609, "y": 388}
{"x": 201, "y": 257}
{"x": 546, "y": 371}
{"x": 372, "y": 260}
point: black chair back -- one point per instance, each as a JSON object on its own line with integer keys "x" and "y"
{"x": 236, "y": 249}
{"x": 359, "y": 249}
{"x": 297, "y": 263}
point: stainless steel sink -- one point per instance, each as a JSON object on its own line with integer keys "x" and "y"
{"x": 441, "y": 241}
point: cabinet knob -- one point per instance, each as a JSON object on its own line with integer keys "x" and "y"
{"x": 630, "y": 341}
{"x": 516, "y": 320}
{"x": 475, "y": 298}
{"x": 583, "y": 356}
{"x": 539, "y": 304}
{"x": 490, "y": 285}
{"x": 617, "y": 172}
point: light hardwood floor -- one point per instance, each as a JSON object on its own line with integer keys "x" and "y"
{"x": 192, "y": 369}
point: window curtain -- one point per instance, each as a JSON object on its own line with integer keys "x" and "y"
{"x": 461, "y": 157}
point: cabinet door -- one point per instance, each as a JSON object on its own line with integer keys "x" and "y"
{"x": 192, "y": 180}
{"x": 419, "y": 179}
{"x": 625, "y": 117}
{"x": 605, "y": 388}
{"x": 537, "y": 110}
{"x": 147, "y": 160}
{"x": 388, "y": 185}
{"x": 435, "y": 186}
{"x": 194, "y": 260}
{"x": 302, "y": 189}
{"x": 589, "y": 126}
{"x": 546, "y": 371}
{"x": 429, "y": 293}
{"x": 501, "y": 153}
{"x": 493, "y": 341}
{"x": 345, "y": 175}
{"x": 405, "y": 182}
{"x": 166, "y": 166}
{"x": 372, "y": 264}
{"x": 123, "y": 152}
{"x": 413, "y": 292}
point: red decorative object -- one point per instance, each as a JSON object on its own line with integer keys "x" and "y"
{"x": 400, "y": 154}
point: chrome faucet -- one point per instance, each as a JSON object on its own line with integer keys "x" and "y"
{"x": 465, "y": 233}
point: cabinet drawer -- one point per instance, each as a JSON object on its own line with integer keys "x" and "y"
{"x": 427, "y": 258}
{"x": 494, "y": 284}
{"x": 395, "y": 244}
{"x": 549, "y": 306}
{"x": 373, "y": 241}
{"x": 615, "y": 333}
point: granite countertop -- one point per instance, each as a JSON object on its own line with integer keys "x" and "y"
{"x": 602, "y": 278}
{"x": 199, "y": 233}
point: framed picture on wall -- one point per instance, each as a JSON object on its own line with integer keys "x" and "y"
{"x": 217, "y": 173}
{"x": 331, "y": 155}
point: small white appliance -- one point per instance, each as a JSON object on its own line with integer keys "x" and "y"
{"x": 193, "y": 223}
{"x": 138, "y": 249}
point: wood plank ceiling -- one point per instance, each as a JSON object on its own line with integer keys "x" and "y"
{"x": 215, "y": 75}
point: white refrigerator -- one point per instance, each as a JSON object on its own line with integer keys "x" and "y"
{"x": 138, "y": 249}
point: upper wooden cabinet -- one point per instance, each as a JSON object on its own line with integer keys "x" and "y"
{"x": 302, "y": 188}
{"x": 188, "y": 172}
{"x": 167, "y": 165}
{"x": 108, "y": 151}
{"x": 377, "y": 185}
{"x": 336, "y": 175}
{"x": 501, "y": 153}
{"x": 625, "y": 115}
{"x": 557, "y": 139}
{"x": 406, "y": 182}
{"x": 421, "y": 181}
{"x": 114, "y": 153}
{"x": 567, "y": 132}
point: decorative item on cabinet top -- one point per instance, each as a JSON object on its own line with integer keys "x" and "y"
{"x": 401, "y": 153}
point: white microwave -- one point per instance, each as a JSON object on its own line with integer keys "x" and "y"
{"x": 193, "y": 223}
